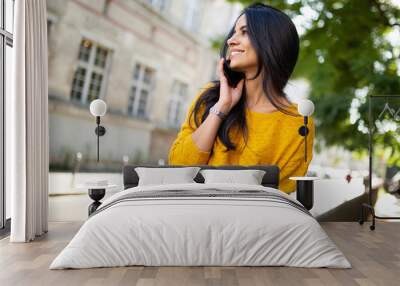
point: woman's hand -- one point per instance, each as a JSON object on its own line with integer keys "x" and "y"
{"x": 228, "y": 96}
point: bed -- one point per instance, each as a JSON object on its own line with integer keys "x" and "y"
{"x": 201, "y": 224}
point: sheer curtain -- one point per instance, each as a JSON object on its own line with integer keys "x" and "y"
{"x": 27, "y": 123}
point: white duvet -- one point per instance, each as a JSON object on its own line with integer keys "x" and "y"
{"x": 200, "y": 231}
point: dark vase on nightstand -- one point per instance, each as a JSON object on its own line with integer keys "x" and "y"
{"x": 305, "y": 193}
{"x": 305, "y": 190}
{"x": 96, "y": 195}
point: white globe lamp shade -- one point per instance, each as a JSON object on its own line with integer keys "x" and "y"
{"x": 98, "y": 107}
{"x": 305, "y": 107}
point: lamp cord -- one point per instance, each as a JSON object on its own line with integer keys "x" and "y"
{"x": 305, "y": 146}
{"x": 98, "y": 142}
{"x": 98, "y": 137}
{"x": 305, "y": 137}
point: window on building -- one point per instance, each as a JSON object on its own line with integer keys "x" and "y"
{"x": 51, "y": 21}
{"x": 176, "y": 106}
{"x": 6, "y": 62}
{"x": 106, "y": 6}
{"x": 193, "y": 15}
{"x": 159, "y": 5}
{"x": 89, "y": 82}
{"x": 140, "y": 92}
{"x": 49, "y": 27}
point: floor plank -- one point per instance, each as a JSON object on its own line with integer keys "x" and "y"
{"x": 374, "y": 255}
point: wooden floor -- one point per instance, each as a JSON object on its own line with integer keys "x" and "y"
{"x": 374, "y": 255}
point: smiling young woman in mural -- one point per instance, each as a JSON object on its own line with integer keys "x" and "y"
{"x": 253, "y": 123}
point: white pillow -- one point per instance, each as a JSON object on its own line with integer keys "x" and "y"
{"x": 162, "y": 176}
{"x": 249, "y": 176}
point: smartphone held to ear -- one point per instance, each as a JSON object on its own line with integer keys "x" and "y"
{"x": 232, "y": 76}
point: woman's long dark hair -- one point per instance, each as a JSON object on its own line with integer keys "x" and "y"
{"x": 276, "y": 42}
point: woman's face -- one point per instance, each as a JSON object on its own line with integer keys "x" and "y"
{"x": 241, "y": 53}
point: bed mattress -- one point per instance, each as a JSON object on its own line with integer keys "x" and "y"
{"x": 201, "y": 225}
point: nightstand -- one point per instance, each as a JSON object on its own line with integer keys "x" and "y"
{"x": 305, "y": 190}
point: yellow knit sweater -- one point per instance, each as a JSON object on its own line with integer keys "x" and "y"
{"x": 273, "y": 139}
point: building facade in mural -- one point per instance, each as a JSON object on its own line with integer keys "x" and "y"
{"x": 146, "y": 59}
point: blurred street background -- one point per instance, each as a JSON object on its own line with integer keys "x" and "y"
{"x": 149, "y": 58}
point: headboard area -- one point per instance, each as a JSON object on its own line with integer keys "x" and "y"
{"x": 270, "y": 179}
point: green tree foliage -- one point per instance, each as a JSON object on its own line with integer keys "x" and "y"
{"x": 346, "y": 56}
